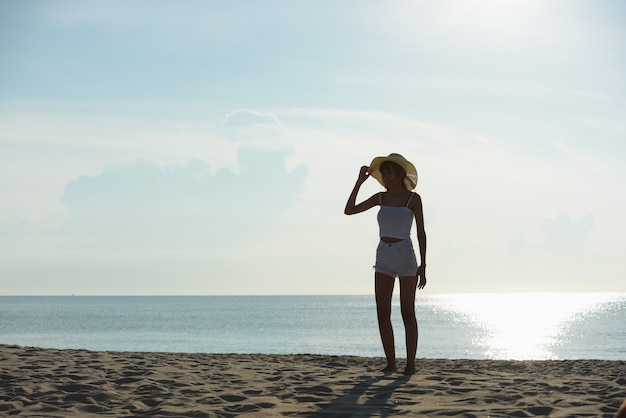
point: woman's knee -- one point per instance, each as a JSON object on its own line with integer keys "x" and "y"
{"x": 408, "y": 313}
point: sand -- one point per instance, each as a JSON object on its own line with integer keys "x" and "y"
{"x": 38, "y": 382}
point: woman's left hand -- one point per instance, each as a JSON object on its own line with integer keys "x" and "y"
{"x": 421, "y": 277}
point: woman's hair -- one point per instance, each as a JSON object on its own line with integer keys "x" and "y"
{"x": 399, "y": 170}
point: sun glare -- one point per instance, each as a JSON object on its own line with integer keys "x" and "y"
{"x": 490, "y": 13}
{"x": 523, "y": 326}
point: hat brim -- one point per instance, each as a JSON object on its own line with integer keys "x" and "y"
{"x": 410, "y": 181}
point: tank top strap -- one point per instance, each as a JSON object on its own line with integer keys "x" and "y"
{"x": 380, "y": 198}
{"x": 409, "y": 201}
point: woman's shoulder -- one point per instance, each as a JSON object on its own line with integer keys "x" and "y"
{"x": 416, "y": 201}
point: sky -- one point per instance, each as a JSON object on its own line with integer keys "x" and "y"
{"x": 208, "y": 148}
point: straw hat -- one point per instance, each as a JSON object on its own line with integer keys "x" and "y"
{"x": 410, "y": 181}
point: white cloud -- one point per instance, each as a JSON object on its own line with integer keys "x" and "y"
{"x": 250, "y": 127}
{"x": 478, "y": 191}
{"x": 565, "y": 237}
{"x": 242, "y": 118}
{"x": 149, "y": 205}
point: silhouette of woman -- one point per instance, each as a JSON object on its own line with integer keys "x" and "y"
{"x": 395, "y": 256}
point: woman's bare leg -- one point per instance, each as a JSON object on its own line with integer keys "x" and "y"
{"x": 408, "y": 286}
{"x": 384, "y": 292}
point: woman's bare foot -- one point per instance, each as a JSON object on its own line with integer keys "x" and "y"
{"x": 409, "y": 370}
{"x": 389, "y": 369}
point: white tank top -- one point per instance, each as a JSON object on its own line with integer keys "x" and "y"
{"x": 395, "y": 222}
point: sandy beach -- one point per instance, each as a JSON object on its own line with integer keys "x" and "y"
{"x": 38, "y": 382}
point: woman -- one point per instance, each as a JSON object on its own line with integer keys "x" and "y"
{"x": 395, "y": 256}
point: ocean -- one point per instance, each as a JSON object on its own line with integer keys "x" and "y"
{"x": 511, "y": 326}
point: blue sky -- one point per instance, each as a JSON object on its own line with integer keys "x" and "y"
{"x": 191, "y": 147}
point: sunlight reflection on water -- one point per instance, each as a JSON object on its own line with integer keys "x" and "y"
{"x": 524, "y": 326}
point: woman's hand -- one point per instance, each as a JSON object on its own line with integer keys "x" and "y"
{"x": 421, "y": 277}
{"x": 363, "y": 174}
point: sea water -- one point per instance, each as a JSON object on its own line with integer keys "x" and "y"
{"x": 473, "y": 326}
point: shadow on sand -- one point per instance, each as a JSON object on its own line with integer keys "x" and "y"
{"x": 368, "y": 398}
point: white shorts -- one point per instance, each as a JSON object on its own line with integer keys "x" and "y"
{"x": 396, "y": 259}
